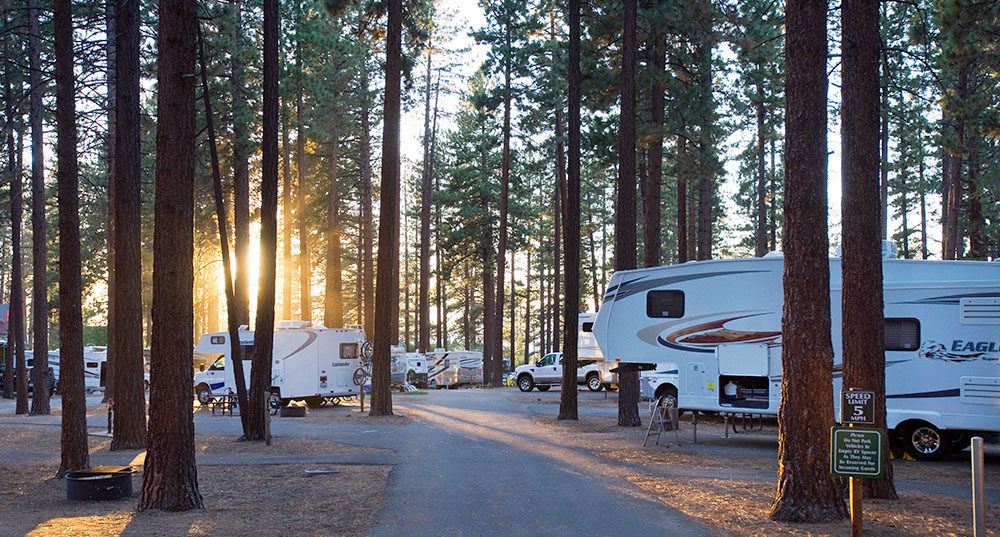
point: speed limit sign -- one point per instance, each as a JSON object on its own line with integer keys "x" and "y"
{"x": 857, "y": 406}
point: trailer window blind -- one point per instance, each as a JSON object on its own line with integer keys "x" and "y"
{"x": 665, "y": 304}
{"x": 588, "y": 327}
{"x": 902, "y": 334}
{"x": 348, "y": 350}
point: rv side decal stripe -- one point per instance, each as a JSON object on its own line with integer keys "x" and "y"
{"x": 666, "y": 343}
{"x": 939, "y": 393}
{"x": 636, "y": 286}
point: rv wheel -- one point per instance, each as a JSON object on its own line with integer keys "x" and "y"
{"x": 274, "y": 402}
{"x": 594, "y": 382}
{"x": 433, "y": 385}
{"x": 204, "y": 394}
{"x": 525, "y": 383}
{"x": 925, "y": 442}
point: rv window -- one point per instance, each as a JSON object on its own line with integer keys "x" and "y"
{"x": 902, "y": 334}
{"x": 588, "y": 327}
{"x": 219, "y": 364}
{"x": 218, "y": 340}
{"x": 665, "y": 304}
{"x": 247, "y": 351}
{"x": 91, "y": 365}
{"x": 348, "y": 350}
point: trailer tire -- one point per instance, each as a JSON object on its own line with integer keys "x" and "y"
{"x": 525, "y": 383}
{"x": 594, "y": 382}
{"x": 433, "y": 385}
{"x": 925, "y": 442}
{"x": 204, "y": 393}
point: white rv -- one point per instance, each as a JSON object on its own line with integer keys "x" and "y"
{"x": 311, "y": 364}
{"x": 397, "y": 364}
{"x": 416, "y": 369}
{"x": 720, "y": 321}
{"x": 447, "y": 369}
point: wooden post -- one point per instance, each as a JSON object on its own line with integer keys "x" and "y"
{"x": 361, "y": 396}
{"x": 856, "y": 487}
{"x": 856, "y": 493}
{"x": 978, "y": 505}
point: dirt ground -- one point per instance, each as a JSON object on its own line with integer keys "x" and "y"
{"x": 239, "y": 499}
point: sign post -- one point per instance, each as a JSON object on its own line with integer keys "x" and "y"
{"x": 856, "y": 452}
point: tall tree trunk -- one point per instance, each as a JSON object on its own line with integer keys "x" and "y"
{"x": 568, "y": 394}
{"x": 593, "y": 264}
{"x": 333, "y": 315}
{"x": 15, "y": 330}
{"x": 761, "y": 234}
{"x": 241, "y": 169}
{"x": 512, "y": 312}
{"x": 405, "y": 282}
{"x": 73, "y": 437}
{"x": 489, "y": 296}
{"x": 423, "y": 301}
{"x": 367, "y": 258}
{"x": 442, "y": 299}
{"x": 128, "y": 375}
{"x": 286, "y": 215}
{"x": 923, "y": 206}
{"x": 263, "y": 335}
{"x": 557, "y": 253}
{"x": 466, "y": 305}
{"x": 494, "y": 359}
{"x": 305, "y": 270}
{"x": 953, "y": 192}
{"x": 387, "y": 286}
{"x": 39, "y": 294}
{"x": 705, "y": 207}
{"x": 625, "y": 254}
{"x": 682, "y": 219}
{"x": 977, "y": 248}
{"x": 861, "y": 260}
{"x": 14, "y": 172}
{"x": 774, "y": 200}
{"x": 527, "y": 310}
{"x": 806, "y": 491}
{"x": 232, "y": 306}
{"x": 170, "y": 480}
{"x": 112, "y": 140}
{"x": 652, "y": 257}
{"x": 883, "y": 53}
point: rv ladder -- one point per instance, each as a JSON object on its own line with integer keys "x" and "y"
{"x": 658, "y": 419}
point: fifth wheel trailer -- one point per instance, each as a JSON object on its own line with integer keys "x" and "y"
{"x": 720, "y": 322}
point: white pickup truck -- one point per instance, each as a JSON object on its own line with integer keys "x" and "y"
{"x": 547, "y": 372}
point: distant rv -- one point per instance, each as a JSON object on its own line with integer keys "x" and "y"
{"x": 720, "y": 321}
{"x": 313, "y": 364}
{"x": 448, "y": 369}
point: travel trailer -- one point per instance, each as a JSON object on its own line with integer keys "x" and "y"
{"x": 397, "y": 364}
{"x": 313, "y": 364}
{"x": 416, "y": 369}
{"x": 720, "y": 321}
{"x": 94, "y": 367}
{"x": 447, "y": 369}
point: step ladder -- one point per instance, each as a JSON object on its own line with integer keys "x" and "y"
{"x": 658, "y": 419}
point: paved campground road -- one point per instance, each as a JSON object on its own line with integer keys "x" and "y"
{"x": 492, "y": 462}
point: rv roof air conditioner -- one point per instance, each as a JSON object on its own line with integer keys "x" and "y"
{"x": 775, "y": 253}
{"x": 285, "y": 325}
{"x": 889, "y": 250}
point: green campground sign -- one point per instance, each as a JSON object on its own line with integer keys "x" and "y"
{"x": 856, "y": 452}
